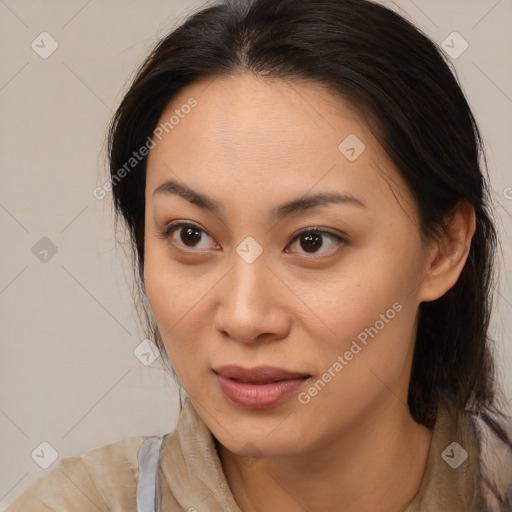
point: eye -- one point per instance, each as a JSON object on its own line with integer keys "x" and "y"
{"x": 185, "y": 234}
{"x": 311, "y": 240}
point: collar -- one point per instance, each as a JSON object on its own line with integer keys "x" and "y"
{"x": 191, "y": 467}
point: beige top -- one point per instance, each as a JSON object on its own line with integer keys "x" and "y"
{"x": 191, "y": 476}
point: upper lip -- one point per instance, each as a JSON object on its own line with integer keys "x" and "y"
{"x": 258, "y": 373}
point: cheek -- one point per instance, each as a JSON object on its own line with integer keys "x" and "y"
{"x": 369, "y": 353}
{"x": 165, "y": 292}
{"x": 368, "y": 313}
{"x": 176, "y": 295}
{"x": 354, "y": 298}
{"x": 172, "y": 289}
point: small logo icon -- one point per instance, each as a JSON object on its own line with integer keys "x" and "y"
{"x": 44, "y": 250}
{"x": 455, "y": 45}
{"x": 352, "y": 147}
{"x": 44, "y": 45}
{"x": 249, "y": 249}
{"x": 146, "y": 352}
{"x": 248, "y": 461}
{"x": 44, "y": 455}
{"x": 454, "y": 455}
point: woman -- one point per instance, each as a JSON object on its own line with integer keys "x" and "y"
{"x": 310, "y": 224}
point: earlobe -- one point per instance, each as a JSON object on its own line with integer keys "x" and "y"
{"x": 449, "y": 253}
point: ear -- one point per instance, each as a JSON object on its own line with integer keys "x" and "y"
{"x": 448, "y": 254}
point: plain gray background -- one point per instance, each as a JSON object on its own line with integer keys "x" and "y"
{"x": 68, "y": 373}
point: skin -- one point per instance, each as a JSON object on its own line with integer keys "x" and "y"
{"x": 252, "y": 144}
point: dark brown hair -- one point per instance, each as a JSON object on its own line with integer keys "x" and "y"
{"x": 395, "y": 74}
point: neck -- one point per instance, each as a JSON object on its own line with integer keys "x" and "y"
{"x": 378, "y": 465}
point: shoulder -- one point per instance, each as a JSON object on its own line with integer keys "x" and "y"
{"x": 101, "y": 479}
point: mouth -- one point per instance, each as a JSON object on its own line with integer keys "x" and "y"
{"x": 262, "y": 387}
{"x": 259, "y": 374}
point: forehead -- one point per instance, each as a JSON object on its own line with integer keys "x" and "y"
{"x": 244, "y": 112}
{"x": 246, "y": 133}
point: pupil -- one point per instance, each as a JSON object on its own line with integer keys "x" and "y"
{"x": 310, "y": 242}
{"x": 189, "y": 236}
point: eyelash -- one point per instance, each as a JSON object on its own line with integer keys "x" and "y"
{"x": 166, "y": 232}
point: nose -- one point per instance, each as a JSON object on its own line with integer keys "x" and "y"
{"x": 252, "y": 303}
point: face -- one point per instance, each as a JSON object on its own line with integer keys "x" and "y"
{"x": 278, "y": 234}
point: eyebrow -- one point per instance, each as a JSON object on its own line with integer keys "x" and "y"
{"x": 301, "y": 204}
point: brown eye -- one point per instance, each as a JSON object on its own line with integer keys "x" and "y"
{"x": 312, "y": 240}
{"x": 190, "y": 236}
{"x": 186, "y": 235}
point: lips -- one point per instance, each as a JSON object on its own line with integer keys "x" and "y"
{"x": 258, "y": 375}
{"x": 262, "y": 387}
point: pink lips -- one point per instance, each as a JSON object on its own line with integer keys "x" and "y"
{"x": 262, "y": 387}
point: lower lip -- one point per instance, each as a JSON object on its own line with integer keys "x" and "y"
{"x": 258, "y": 396}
